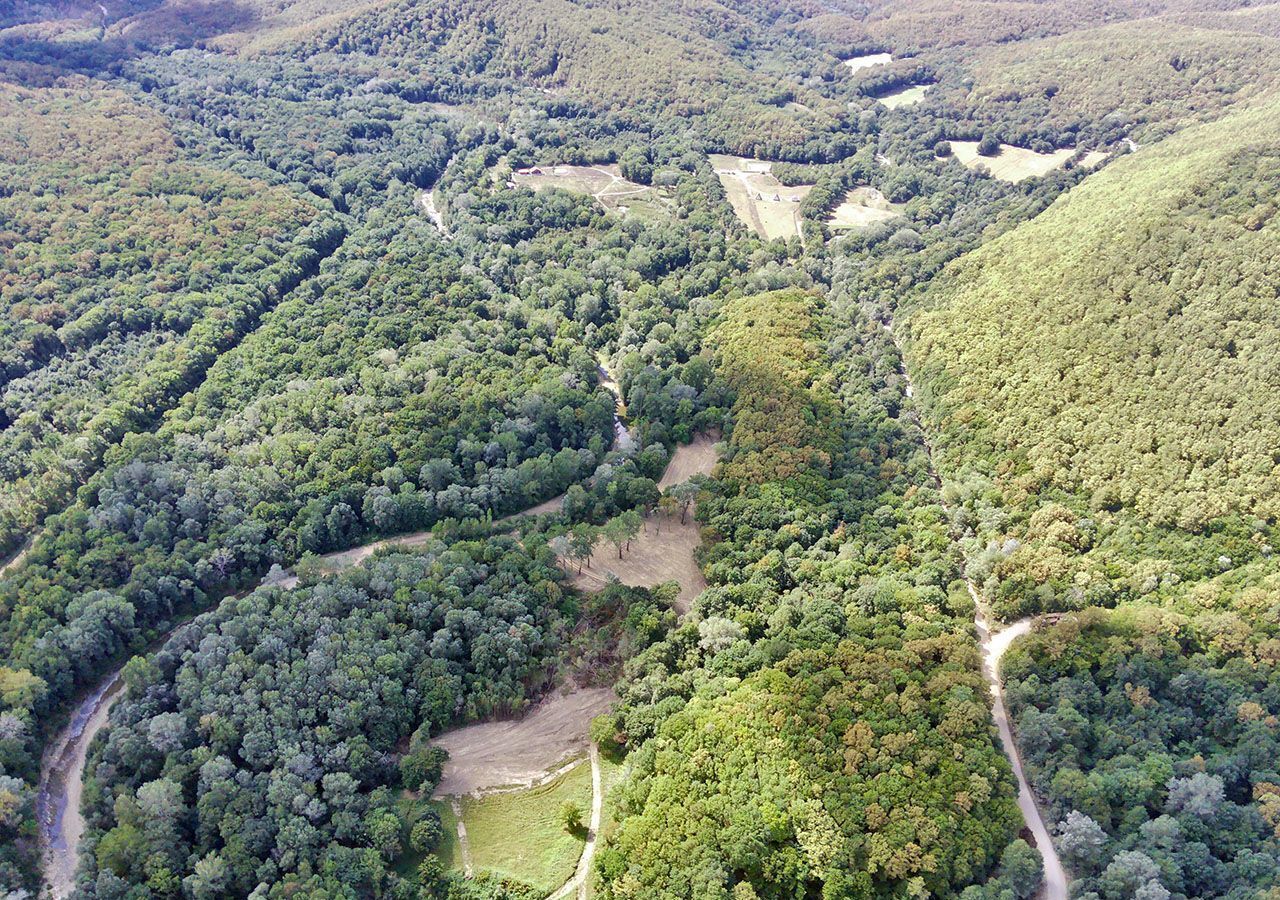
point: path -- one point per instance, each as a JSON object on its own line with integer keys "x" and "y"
{"x": 16, "y": 560}
{"x": 579, "y": 882}
{"x": 464, "y": 845}
{"x": 994, "y": 645}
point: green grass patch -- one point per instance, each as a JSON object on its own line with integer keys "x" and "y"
{"x": 519, "y": 835}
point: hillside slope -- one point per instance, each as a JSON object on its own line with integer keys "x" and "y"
{"x": 1117, "y": 349}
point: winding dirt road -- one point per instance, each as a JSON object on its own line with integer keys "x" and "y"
{"x": 994, "y": 644}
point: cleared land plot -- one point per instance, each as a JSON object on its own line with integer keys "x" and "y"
{"x": 698, "y": 457}
{"x": 857, "y": 63}
{"x": 1093, "y": 159}
{"x": 605, "y": 184}
{"x": 908, "y": 96}
{"x": 1011, "y": 163}
{"x": 662, "y": 552}
{"x": 764, "y": 204}
{"x": 862, "y": 207}
{"x": 520, "y": 834}
{"x": 520, "y": 752}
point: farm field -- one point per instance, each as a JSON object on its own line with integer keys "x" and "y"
{"x": 520, "y": 834}
{"x": 764, "y": 204}
{"x": 605, "y": 183}
{"x": 861, "y": 208}
{"x": 1012, "y": 163}
{"x": 907, "y": 96}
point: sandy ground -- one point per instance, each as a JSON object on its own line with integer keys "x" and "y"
{"x": 907, "y": 96}
{"x": 858, "y": 63}
{"x": 519, "y": 752}
{"x": 1012, "y": 163}
{"x": 862, "y": 206}
{"x": 698, "y": 457}
{"x": 662, "y": 552}
{"x": 427, "y": 200}
{"x": 58, "y": 803}
{"x": 751, "y": 189}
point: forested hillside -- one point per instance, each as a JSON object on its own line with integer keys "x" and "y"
{"x": 339, "y": 338}
{"x": 1106, "y": 365}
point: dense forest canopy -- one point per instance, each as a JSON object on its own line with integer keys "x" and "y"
{"x": 272, "y": 292}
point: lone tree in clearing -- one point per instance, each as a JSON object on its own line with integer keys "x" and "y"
{"x": 988, "y": 146}
{"x": 571, "y": 818}
{"x": 582, "y": 542}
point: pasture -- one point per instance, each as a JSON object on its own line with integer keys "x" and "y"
{"x": 520, "y": 834}
{"x": 861, "y": 208}
{"x": 603, "y": 183}
{"x": 764, "y": 204}
{"x": 1011, "y": 163}
{"x": 907, "y": 96}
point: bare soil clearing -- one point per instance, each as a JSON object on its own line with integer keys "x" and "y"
{"x": 662, "y": 552}
{"x": 1011, "y": 163}
{"x": 761, "y": 201}
{"x": 520, "y": 752}
{"x": 603, "y": 183}
{"x": 861, "y": 208}
{"x": 870, "y": 60}
{"x": 698, "y": 457}
{"x": 907, "y": 96}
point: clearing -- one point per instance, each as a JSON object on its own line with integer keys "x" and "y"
{"x": 762, "y": 202}
{"x": 907, "y": 96}
{"x": 520, "y": 835}
{"x": 1011, "y": 163}
{"x": 698, "y": 457}
{"x": 519, "y": 753}
{"x": 857, "y": 63}
{"x": 861, "y": 208}
{"x": 604, "y": 183}
{"x": 664, "y": 550}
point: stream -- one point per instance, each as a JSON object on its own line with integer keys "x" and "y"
{"x": 62, "y": 772}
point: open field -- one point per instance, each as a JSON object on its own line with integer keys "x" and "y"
{"x": 762, "y": 202}
{"x": 1093, "y": 159}
{"x": 907, "y": 96}
{"x": 862, "y": 206}
{"x": 1012, "y": 163}
{"x": 698, "y": 457}
{"x": 858, "y": 63}
{"x": 520, "y": 752}
{"x": 662, "y": 552}
{"x": 520, "y": 835}
{"x": 604, "y": 183}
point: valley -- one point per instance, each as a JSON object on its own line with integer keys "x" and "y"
{"x": 495, "y": 451}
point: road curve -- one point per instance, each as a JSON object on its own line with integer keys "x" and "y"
{"x": 994, "y": 645}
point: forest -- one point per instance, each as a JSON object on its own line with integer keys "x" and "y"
{"x": 271, "y": 294}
